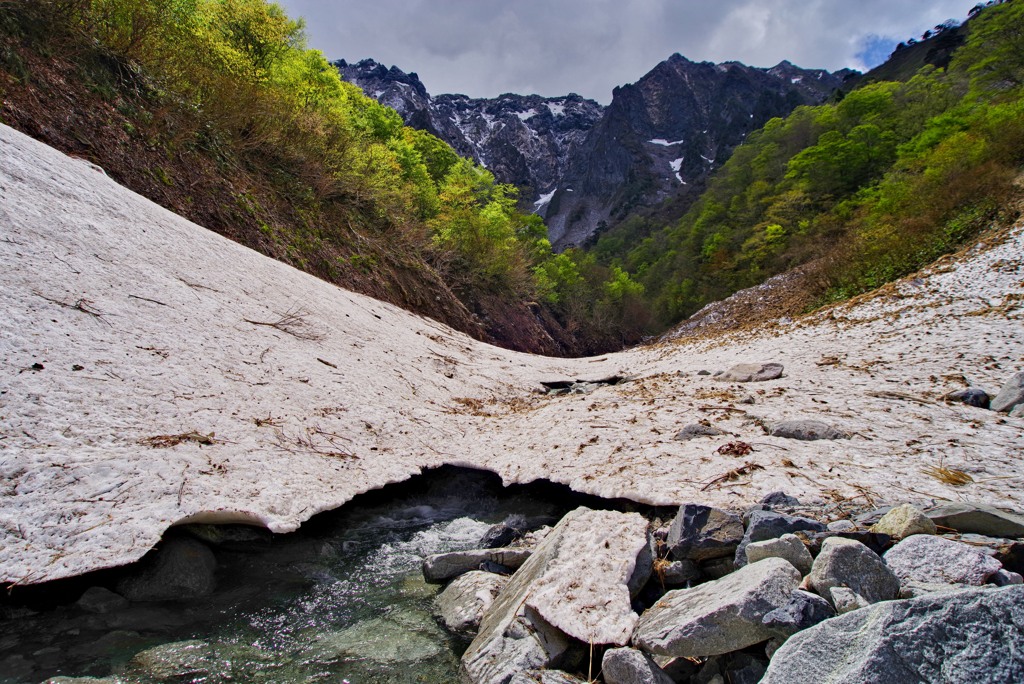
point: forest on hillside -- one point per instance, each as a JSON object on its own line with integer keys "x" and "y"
{"x": 299, "y": 164}
{"x": 867, "y": 188}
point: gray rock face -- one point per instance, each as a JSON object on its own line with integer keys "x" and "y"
{"x": 968, "y": 636}
{"x": 630, "y": 666}
{"x": 100, "y": 600}
{"x": 441, "y": 567}
{"x": 846, "y": 599}
{"x": 700, "y": 533}
{"x": 904, "y": 521}
{"x": 463, "y": 603}
{"x": 848, "y": 563}
{"x": 936, "y": 560}
{"x": 804, "y": 610}
{"x": 752, "y": 372}
{"x": 764, "y": 525}
{"x": 545, "y": 677}
{"x": 695, "y": 430}
{"x": 806, "y": 430}
{"x": 780, "y": 500}
{"x": 1010, "y": 396}
{"x": 179, "y": 568}
{"x": 678, "y": 573}
{"x": 1017, "y": 411}
{"x": 575, "y": 579}
{"x": 720, "y": 616}
{"x": 977, "y": 518}
{"x": 974, "y": 396}
{"x": 788, "y": 546}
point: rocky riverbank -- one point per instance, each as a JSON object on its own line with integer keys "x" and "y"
{"x": 779, "y": 593}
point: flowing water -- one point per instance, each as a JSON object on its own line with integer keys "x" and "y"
{"x": 342, "y": 599}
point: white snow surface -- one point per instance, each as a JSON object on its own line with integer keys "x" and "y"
{"x": 153, "y": 309}
{"x": 676, "y": 165}
{"x": 556, "y": 108}
{"x": 665, "y": 143}
{"x": 544, "y": 200}
{"x": 528, "y": 114}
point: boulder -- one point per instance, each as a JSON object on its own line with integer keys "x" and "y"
{"x": 978, "y": 518}
{"x": 677, "y": 573}
{"x": 695, "y": 430}
{"x": 573, "y": 584}
{"x": 804, "y": 610}
{"x": 441, "y": 567}
{"x": 504, "y": 533}
{"x": 630, "y": 666}
{"x": 1010, "y": 396}
{"x": 700, "y": 533}
{"x": 841, "y": 526}
{"x": 100, "y": 600}
{"x": 848, "y": 563}
{"x": 968, "y": 636}
{"x": 643, "y": 569}
{"x": 879, "y": 543}
{"x": 752, "y": 372}
{"x": 179, "y": 568}
{"x": 463, "y": 603}
{"x": 936, "y": 560}
{"x": 846, "y": 599}
{"x": 780, "y": 500}
{"x": 1017, "y": 411}
{"x": 764, "y": 525}
{"x": 545, "y": 677}
{"x": 787, "y": 546}
{"x": 806, "y": 430}
{"x": 1005, "y": 578}
{"x": 718, "y": 617}
{"x": 904, "y": 521}
{"x": 975, "y": 397}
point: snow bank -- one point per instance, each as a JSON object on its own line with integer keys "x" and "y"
{"x": 125, "y": 326}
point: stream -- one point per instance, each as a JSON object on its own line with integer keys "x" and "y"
{"x": 342, "y": 599}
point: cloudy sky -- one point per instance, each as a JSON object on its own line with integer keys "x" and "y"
{"x": 483, "y": 48}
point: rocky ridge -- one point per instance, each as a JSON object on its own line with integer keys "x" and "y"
{"x": 525, "y": 140}
{"x": 585, "y": 167}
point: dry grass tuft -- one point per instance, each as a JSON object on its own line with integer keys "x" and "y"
{"x": 954, "y": 478}
{"x": 168, "y": 441}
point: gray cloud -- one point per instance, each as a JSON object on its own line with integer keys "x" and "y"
{"x": 487, "y": 47}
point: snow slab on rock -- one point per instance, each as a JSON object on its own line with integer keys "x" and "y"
{"x": 127, "y": 328}
{"x": 574, "y": 583}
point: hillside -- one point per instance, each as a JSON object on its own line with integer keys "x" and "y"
{"x": 153, "y": 372}
{"x": 868, "y": 187}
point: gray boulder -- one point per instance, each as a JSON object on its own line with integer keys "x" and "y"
{"x": 977, "y": 518}
{"x": 504, "y": 533}
{"x": 969, "y": 636}
{"x": 463, "y": 603}
{"x": 787, "y": 546}
{"x": 179, "y": 568}
{"x": 752, "y": 372}
{"x": 764, "y": 525}
{"x": 1017, "y": 411}
{"x": 846, "y": 599}
{"x": 630, "y": 666}
{"x": 1010, "y": 396}
{"x": 848, "y": 563}
{"x": 974, "y": 396}
{"x": 904, "y": 521}
{"x": 699, "y": 533}
{"x": 806, "y": 430}
{"x": 717, "y": 617}
{"x": 936, "y": 560}
{"x": 441, "y": 567}
{"x": 100, "y": 600}
{"x": 678, "y": 573}
{"x": 780, "y": 500}
{"x": 1005, "y": 578}
{"x": 695, "y": 430}
{"x": 545, "y": 677}
{"x": 803, "y": 611}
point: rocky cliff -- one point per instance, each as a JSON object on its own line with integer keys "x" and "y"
{"x": 661, "y": 137}
{"x": 526, "y": 140}
{"x": 585, "y": 167}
